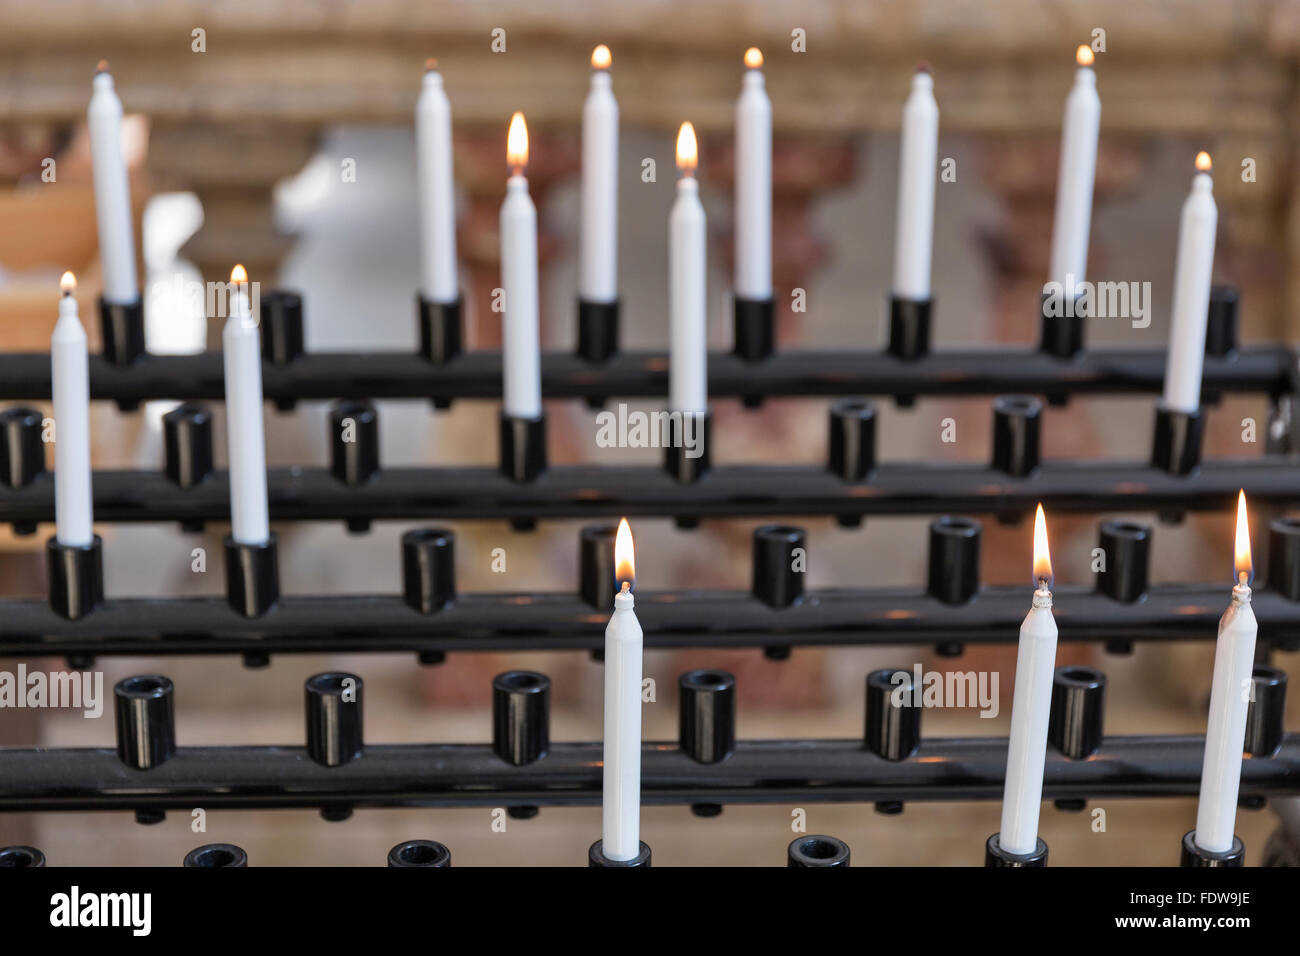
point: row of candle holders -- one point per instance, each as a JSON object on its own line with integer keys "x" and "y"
{"x": 150, "y": 774}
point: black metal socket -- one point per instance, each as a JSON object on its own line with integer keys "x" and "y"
{"x": 851, "y": 443}
{"x": 281, "y": 325}
{"x": 817, "y": 849}
{"x": 780, "y": 564}
{"x": 1017, "y": 434}
{"x": 1266, "y": 712}
{"x": 909, "y": 327}
{"x": 252, "y": 575}
{"x": 1179, "y": 436}
{"x": 419, "y": 853}
{"x": 333, "y": 714}
{"x": 1077, "y": 711}
{"x": 596, "y": 857}
{"x": 145, "y": 711}
{"x": 20, "y": 857}
{"x": 187, "y": 444}
{"x": 354, "y": 441}
{"x": 76, "y": 573}
{"x": 1284, "y": 557}
{"x": 1221, "y": 321}
{"x": 755, "y": 327}
{"x": 893, "y": 724}
{"x": 1126, "y": 556}
{"x": 429, "y": 568}
{"x": 22, "y": 452}
{"x": 706, "y": 715}
{"x": 690, "y": 436}
{"x": 995, "y": 856}
{"x": 1062, "y": 325}
{"x": 597, "y": 569}
{"x": 440, "y": 329}
{"x": 122, "y": 328}
{"x": 523, "y": 447}
{"x": 216, "y": 855}
{"x": 1194, "y": 857}
{"x": 597, "y": 330}
{"x": 954, "y": 572}
{"x": 521, "y": 716}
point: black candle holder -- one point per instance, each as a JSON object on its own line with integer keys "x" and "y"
{"x": 1126, "y": 551}
{"x": 817, "y": 850}
{"x": 780, "y": 564}
{"x": 687, "y": 455}
{"x": 429, "y": 569}
{"x": 122, "y": 328}
{"x": 1077, "y": 711}
{"x": 440, "y": 329}
{"x": 851, "y": 445}
{"x": 597, "y": 330}
{"x": 954, "y": 559}
{"x": 597, "y": 569}
{"x": 1221, "y": 321}
{"x": 187, "y": 444}
{"x": 1266, "y": 712}
{"x": 1017, "y": 427}
{"x": 909, "y": 327}
{"x": 22, "y": 452}
{"x": 523, "y": 447}
{"x": 76, "y": 575}
{"x": 1195, "y": 857}
{"x": 333, "y": 716}
{"x": 755, "y": 324}
{"x": 216, "y": 855}
{"x": 1179, "y": 435}
{"x": 1284, "y": 557}
{"x": 354, "y": 448}
{"x": 995, "y": 856}
{"x": 706, "y": 715}
{"x": 1062, "y": 325}
{"x": 21, "y": 857}
{"x": 281, "y": 324}
{"x": 252, "y": 575}
{"x": 419, "y": 853}
{"x": 893, "y": 730}
{"x": 145, "y": 718}
{"x": 596, "y": 857}
{"x": 521, "y": 716}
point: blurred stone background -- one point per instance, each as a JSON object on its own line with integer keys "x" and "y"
{"x": 236, "y": 155}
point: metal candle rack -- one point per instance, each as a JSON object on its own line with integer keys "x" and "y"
{"x": 706, "y": 768}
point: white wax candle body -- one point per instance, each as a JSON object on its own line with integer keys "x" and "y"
{"x": 688, "y": 296}
{"x": 1193, "y": 270}
{"x": 598, "y": 240}
{"x": 1225, "y": 735}
{"x": 621, "y": 786}
{"x": 436, "y": 188}
{"x": 73, "y": 509}
{"x": 1030, "y": 712}
{"x": 753, "y": 196}
{"x": 522, "y": 363}
{"x": 918, "y": 158}
{"x": 245, "y": 442}
{"x": 112, "y": 193}
{"x": 1075, "y": 175}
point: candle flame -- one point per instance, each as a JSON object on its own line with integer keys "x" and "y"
{"x": 688, "y": 152}
{"x": 517, "y": 143}
{"x": 68, "y": 283}
{"x": 239, "y": 275}
{"x": 1083, "y": 56}
{"x": 1203, "y": 162}
{"x": 430, "y": 64}
{"x": 601, "y": 58}
{"x": 1042, "y": 555}
{"x": 754, "y": 58}
{"x": 1242, "y": 563}
{"x": 101, "y": 66}
{"x": 624, "y": 558}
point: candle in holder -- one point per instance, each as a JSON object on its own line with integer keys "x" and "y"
{"x": 1193, "y": 269}
{"x": 598, "y": 240}
{"x": 73, "y": 508}
{"x": 246, "y": 446}
{"x": 522, "y": 357}
{"x": 914, "y": 230}
{"x": 1225, "y": 735}
{"x": 753, "y": 196}
{"x": 1074, "y": 181}
{"x": 436, "y": 188}
{"x": 112, "y": 191}
{"x": 621, "y": 784}
{"x": 1030, "y": 708}
{"x": 687, "y": 286}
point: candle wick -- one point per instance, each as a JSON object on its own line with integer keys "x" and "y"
{"x": 627, "y": 586}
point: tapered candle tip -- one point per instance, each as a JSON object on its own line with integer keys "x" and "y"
{"x": 924, "y": 67}
{"x": 101, "y": 67}
{"x": 68, "y": 283}
{"x": 624, "y": 556}
{"x": 601, "y": 58}
{"x": 753, "y": 58}
{"x": 688, "y": 151}
{"x": 1203, "y": 162}
{"x": 1084, "y": 55}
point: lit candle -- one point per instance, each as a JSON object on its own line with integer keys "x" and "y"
{"x": 1030, "y": 708}
{"x": 436, "y": 187}
{"x": 621, "y": 787}
{"x": 522, "y": 360}
{"x": 753, "y": 199}
{"x": 246, "y": 446}
{"x": 1193, "y": 269}
{"x": 1225, "y": 735}
{"x": 598, "y": 249}
{"x": 73, "y": 509}
{"x": 914, "y": 230}
{"x": 1069, "y": 261}
{"x": 112, "y": 191}
{"x": 687, "y": 286}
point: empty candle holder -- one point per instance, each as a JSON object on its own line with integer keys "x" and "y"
{"x": 523, "y": 447}
{"x": 333, "y": 717}
{"x": 122, "y": 328}
{"x": 817, "y": 849}
{"x": 1284, "y": 557}
{"x": 419, "y": 853}
{"x": 281, "y": 322}
{"x": 1266, "y": 712}
{"x": 76, "y": 574}
{"x": 954, "y": 559}
{"x": 20, "y": 857}
{"x": 429, "y": 569}
{"x": 354, "y": 448}
{"x": 144, "y": 709}
{"x": 22, "y": 452}
{"x": 909, "y": 327}
{"x": 1179, "y": 435}
{"x": 851, "y": 444}
{"x": 706, "y": 715}
{"x": 1077, "y": 711}
{"x": 521, "y": 716}
{"x": 1221, "y": 321}
{"x": 1126, "y": 552}
{"x": 187, "y": 444}
{"x": 596, "y": 857}
{"x": 597, "y": 330}
{"x": 893, "y": 723}
{"x": 780, "y": 564}
{"x": 1196, "y": 857}
{"x": 597, "y": 570}
{"x": 996, "y": 856}
{"x": 216, "y": 855}
{"x": 1062, "y": 325}
{"x": 252, "y": 575}
{"x": 1017, "y": 428}
{"x": 686, "y": 456}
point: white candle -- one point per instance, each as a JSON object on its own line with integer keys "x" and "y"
{"x": 687, "y": 286}
{"x": 112, "y": 191}
{"x": 1225, "y": 735}
{"x": 621, "y": 784}
{"x": 522, "y": 364}
{"x": 914, "y": 230}
{"x": 753, "y": 199}
{"x": 598, "y": 240}
{"x": 1030, "y": 709}
{"x": 436, "y": 186}
{"x": 73, "y": 509}
{"x": 1074, "y": 181}
{"x": 1193, "y": 269}
{"x": 246, "y": 446}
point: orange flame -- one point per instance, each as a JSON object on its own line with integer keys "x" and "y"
{"x": 624, "y": 558}
{"x": 68, "y": 283}
{"x": 1083, "y": 56}
{"x": 688, "y": 152}
{"x": 239, "y": 275}
{"x": 1042, "y": 555}
{"x": 517, "y": 143}
{"x": 1203, "y": 162}
{"x": 601, "y": 58}
{"x": 754, "y": 58}
{"x": 1241, "y": 562}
